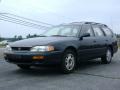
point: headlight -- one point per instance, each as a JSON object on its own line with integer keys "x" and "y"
{"x": 8, "y": 48}
{"x": 42, "y": 48}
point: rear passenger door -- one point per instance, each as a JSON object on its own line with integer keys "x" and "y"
{"x": 100, "y": 39}
{"x": 110, "y": 38}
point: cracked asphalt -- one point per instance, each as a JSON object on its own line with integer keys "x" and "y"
{"x": 91, "y": 75}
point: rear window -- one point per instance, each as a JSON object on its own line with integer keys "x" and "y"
{"x": 107, "y": 31}
{"x": 98, "y": 31}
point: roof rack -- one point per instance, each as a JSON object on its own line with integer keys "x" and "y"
{"x": 100, "y": 24}
{"x": 89, "y": 23}
{"x": 80, "y": 23}
{"x": 84, "y": 23}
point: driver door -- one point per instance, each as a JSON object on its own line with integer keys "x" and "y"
{"x": 87, "y": 44}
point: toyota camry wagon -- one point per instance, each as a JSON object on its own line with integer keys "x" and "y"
{"x": 64, "y": 45}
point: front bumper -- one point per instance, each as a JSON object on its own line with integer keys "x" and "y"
{"x": 27, "y": 57}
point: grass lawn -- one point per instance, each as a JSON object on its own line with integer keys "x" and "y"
{"x": 2, "y": 46}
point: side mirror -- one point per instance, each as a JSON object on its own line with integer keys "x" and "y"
{"x": 84, "y": 35}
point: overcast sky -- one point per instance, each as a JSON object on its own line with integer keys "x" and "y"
{"x": 59, "y": 11}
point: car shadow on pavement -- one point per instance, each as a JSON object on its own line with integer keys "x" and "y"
{"x": 39, "y": 71}
{"x": 89, "y": 64}
{"x": 45, "y": 71}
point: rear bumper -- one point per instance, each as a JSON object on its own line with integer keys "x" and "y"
{"x": 27, "y": 58}
{"x": 115, "y": 48}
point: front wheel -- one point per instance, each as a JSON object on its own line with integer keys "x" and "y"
{"x": 107, "y": 58}
{"x": 68, "y": 62}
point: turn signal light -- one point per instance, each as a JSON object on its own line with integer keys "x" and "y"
{"x": 38, "y": 57}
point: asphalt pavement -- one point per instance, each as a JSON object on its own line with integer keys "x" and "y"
{"x": 90, "y": 75}
{"x": 1, "y": 52}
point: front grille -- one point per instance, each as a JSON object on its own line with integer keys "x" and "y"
{"x": 21, "y": 48}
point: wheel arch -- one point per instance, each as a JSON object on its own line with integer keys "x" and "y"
{"x": 111, "y": 47}
{"x": 73, "y": 49}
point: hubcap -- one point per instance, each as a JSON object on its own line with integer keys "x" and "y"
{"x": 70, "y": 61}
{"x": 109, "y": 55}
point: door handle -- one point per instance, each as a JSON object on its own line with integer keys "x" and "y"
{"x": 94, "y": 41}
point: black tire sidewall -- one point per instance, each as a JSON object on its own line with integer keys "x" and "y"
{"x": 104, "y": 58}
{"x": 63, "y": 67}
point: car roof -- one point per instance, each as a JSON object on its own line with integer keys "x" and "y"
{"x": 83, "y": 23}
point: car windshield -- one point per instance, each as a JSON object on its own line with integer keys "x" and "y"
{"x": 61, "y": 31}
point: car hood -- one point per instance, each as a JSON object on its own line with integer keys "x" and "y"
{"x": 39, "y": 41}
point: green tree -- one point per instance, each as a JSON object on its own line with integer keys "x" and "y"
{"x": 0, "y": 38}
{"x": 35, "y": 35}
{"x": 20, "y": 37}
{"x": 28, "y": 36}
{"x": 15, "y": 36}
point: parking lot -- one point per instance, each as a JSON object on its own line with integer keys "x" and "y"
{"x": 91, "y": 75}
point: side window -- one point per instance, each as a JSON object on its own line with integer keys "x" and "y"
{"x": 75, "y": 31}
{"x": 66, "y": 31}
{"x": 98, "y": 31}
{"x": 107, "y": 31}
{"x": 87, "y": 29}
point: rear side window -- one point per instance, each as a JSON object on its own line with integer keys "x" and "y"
{"x": 98, "y": 31}
{"x": 107, "y": 31}
{"x": 87, "y": 29}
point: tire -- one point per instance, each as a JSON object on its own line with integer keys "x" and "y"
{"x": 68, "y": 62}
{"x": 107, "y": 58}
{"x": 24, "y": 67}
